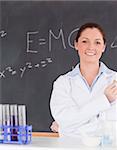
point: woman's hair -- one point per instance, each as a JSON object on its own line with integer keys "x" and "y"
{"x": 90, "y": 25}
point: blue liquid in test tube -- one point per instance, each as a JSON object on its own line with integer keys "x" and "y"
{"x": 14, "y": 122}
{"x": 1, "y": 136}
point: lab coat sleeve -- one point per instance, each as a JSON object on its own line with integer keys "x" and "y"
{"x": 66, "y": 112}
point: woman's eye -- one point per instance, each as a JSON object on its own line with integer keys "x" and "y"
{"x": 84, "y": 41}
{"x": 98, "y": 42}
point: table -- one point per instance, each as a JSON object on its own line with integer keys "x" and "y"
{"x": 53, "y": 143}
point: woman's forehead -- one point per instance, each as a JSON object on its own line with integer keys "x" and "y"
{"x": 94, "y": 32}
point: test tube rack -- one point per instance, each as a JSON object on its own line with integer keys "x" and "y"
{"x": 16, "y": 134}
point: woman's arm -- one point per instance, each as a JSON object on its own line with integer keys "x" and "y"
{"x": 66, "y": 113}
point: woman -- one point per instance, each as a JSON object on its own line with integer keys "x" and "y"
{"x": 81, "y": 97}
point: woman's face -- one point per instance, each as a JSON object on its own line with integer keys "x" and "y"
{"x": 90, "y": 45}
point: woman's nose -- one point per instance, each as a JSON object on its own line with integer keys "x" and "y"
{"x": 91, "y": 46}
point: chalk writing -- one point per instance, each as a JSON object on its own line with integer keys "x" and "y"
{"x": 28, "y": 65}
{"x": 42, "y": 41}
{"x": 49, "y": 60}
{"x": 56, "y": 37}
{"x": 30, "y": 41}
{"x": 14, "y": 72}
{"x": 69, "y": 37}
{"x": 9, "y": 69}
{"x": 2, "y": 33}
{"x": 37, "y": 66}
{"x": 31, "y": 37}
{"x": 22, "y": 71}
{"x": 2, "y": 74}
{"x": 114, "y": 43}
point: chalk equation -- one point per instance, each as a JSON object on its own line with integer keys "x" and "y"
{"x": 114, "y": 43}
{"x": 51, "y": 37}
{"x": 33, "y": 39}
{"x": 2, "y": 33}
{"x": 22, "y": 70}
{"x": 31, "y": 36}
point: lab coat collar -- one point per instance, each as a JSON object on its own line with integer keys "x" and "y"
{"x": 76, "y": 77}
{"x": 76, "y": 71}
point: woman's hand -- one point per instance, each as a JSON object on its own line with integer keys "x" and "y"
{"x": 111, "y": 91}
{"x": 54, "y": 126}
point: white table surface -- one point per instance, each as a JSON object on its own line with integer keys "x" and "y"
{"x": 53, "y": 143}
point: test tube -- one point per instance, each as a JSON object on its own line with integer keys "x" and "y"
{"x": 6, "y": 114}
{"x": 6, "y": 119}
{"x": 14, "y": 115}
{"x": 14, "y": 121}
{"x": 22, "y": 115}
{"x": 1, "y": 136}
{"x": 22, "y": 121}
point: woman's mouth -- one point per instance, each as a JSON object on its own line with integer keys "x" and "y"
{"x": 90, "y": 53}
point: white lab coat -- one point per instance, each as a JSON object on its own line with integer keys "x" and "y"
{"x": 74, "y": 107}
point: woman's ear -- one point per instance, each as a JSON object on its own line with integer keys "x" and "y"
{"x": 76, "y": 45}
{"x": 104, "y": 48}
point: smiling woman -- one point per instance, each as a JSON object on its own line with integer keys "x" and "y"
{"x": 90, "y": 43}
{"x": 77, "y": 103}
{"x": 37, "y": 45}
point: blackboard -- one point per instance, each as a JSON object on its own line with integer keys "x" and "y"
{"x": 36, "y": 46}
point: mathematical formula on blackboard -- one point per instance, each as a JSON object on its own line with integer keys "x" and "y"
{"x": 31, "y": 37}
